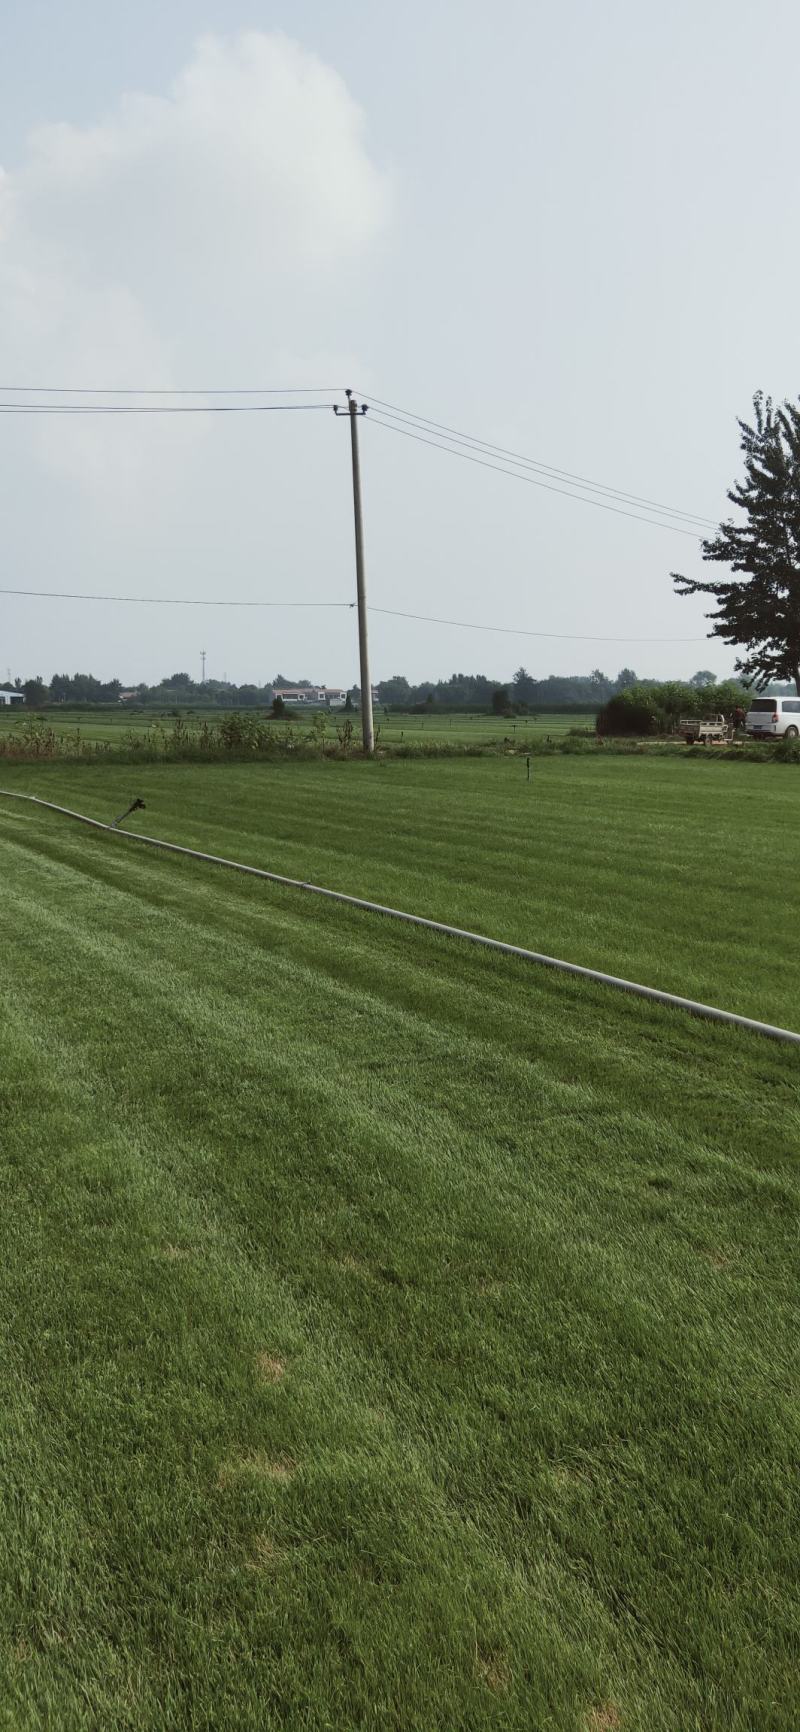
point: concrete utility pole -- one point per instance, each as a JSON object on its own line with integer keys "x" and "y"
{"x": 203, "y": 666}
{"x": 367, "y": 727}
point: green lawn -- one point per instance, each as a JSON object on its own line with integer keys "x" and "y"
{"x": 396, "y": 1335}
{"x": 679, "y": 874}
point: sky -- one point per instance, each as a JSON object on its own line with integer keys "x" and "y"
{"x": 570, "y": 232}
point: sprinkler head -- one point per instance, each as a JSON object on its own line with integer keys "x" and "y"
{"x": 135, "y": 806}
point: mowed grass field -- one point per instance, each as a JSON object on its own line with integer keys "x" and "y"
{"x": 110, "y": 725}
{"x": 397, "y": 1335}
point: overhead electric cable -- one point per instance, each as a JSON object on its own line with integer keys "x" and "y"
{"x": 524, "y": 463}
{"x": 521, "y": 631}
{"x": 537, "y": 463}
{"x": 395, "y": 409}
{"x": 174, "y": 390}
{"x": 158, "y": 408}
{"x": 532, "y": 481}
{"x": 392, "y": 612}
{"x": 167, "y": 600}
{"x": 395, "y": 412}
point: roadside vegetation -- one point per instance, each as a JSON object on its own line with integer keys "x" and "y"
{"x": 657, "y": 708}
{"x": 236, "y": 737}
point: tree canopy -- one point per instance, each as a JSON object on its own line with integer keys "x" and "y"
{"x": 760, "y": 610}
{"x": 652, "y": 707}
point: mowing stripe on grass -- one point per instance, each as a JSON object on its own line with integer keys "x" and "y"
{"x": 671, "y": 999}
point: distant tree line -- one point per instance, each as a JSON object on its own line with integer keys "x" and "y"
{"x": 522, "y": 693}
{"x": 459, "y": 692}
{"x": 174, "y": 690}
{"x": 558, "y": 691}
{"x": 481, "y": 692}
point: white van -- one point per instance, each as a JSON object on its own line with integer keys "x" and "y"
{"x": 769, "y": 718}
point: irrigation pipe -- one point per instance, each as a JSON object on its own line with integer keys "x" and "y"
{"x": 672, "y": 999}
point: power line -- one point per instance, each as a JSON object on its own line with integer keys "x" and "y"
{"x": 392, "y": 612}
{"x": 519, "y": 631}
{"x": 532, "y": 481}
{"x": 485, "y": 449}
{"x": 173, "y": 390}
{"x": 439, "y": 444}
{"x": 400, "y": 422}
{"x": 408, "y": 415}
{"x": 158, "y": 408}
{"x": 537, "y": 463}
{"x": 167, "y": 600}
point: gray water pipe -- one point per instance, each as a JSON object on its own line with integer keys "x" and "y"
{"x": 672, "y": 999}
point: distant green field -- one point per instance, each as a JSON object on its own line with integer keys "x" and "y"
{"x": 471, "y": 727}
{"x": 397, "y": 1336}
{"x": 111, "y": 724}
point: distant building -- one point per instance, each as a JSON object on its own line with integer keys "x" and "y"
{"x": 296, "y": 694}
{"x": 12, "y": 697}
{"x": 328, "y": 696}
{"x": 125, "y": 697}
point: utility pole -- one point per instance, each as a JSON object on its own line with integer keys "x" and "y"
{"x": 367, "y": 727}
{"x": 203, "y": 667}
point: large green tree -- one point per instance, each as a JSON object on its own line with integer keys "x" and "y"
{"x": 759, "y": 610}
{"x": 36, "y": 692}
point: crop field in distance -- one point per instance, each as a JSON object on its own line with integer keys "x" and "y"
{"x": 112, "y": 723}
{"x": 399, "y": 1336}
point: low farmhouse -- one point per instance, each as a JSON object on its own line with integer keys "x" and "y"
{"x": 329, "y": 696}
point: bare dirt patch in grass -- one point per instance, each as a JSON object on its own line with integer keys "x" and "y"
{"x": 494, "y": 1671}
{"x": 354, "y": 1264}
{"x": 718, "y": 1258}
{"x": 490, "y": 1288}
{"x": 258, "y": 1464}
{"x": 605, "y": 1717}
{"x": 265, "y": 1554}
{"x": 565, "y": 1475}
{"x": 269, "y": 1369}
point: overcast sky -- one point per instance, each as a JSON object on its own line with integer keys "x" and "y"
{"x": 571, "y": 231}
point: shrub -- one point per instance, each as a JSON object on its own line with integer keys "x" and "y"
{"x": 633, "y": 711}
{"x": 34, "y": 739}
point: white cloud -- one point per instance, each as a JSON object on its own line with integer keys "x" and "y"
{"x": 208, "y": 231}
